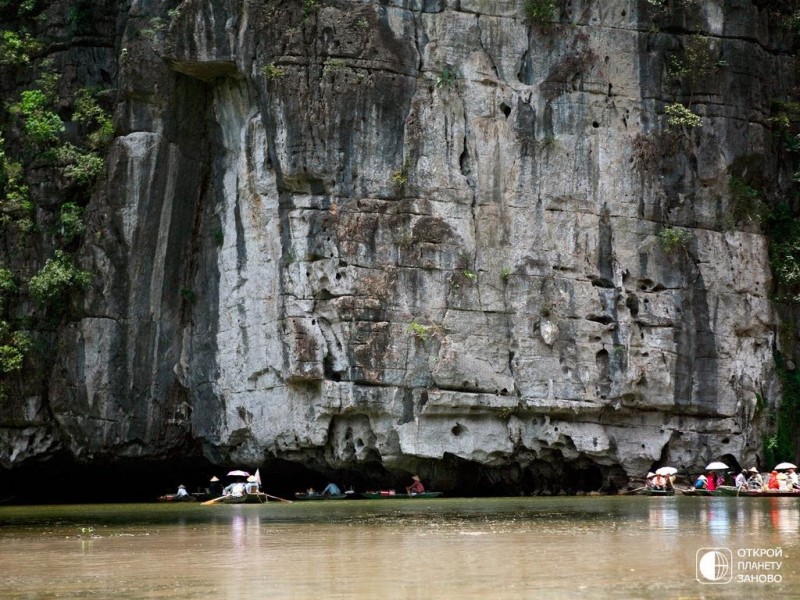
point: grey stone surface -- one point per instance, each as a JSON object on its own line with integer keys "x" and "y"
{"x": 408, "y": 232}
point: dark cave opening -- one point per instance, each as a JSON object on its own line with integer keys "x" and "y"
{"x": 69, "y": 482}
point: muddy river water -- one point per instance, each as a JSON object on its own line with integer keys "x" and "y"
{"x": 623, "y": 547}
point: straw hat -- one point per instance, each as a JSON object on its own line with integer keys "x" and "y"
{"x": 415, "y": 477}
{"x": 251, "y": 478}
{"x": 753, "y": 470}
{"x": 214, "y": 478}
{"x": 650, "y": 474}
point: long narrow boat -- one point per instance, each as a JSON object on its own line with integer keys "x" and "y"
{"x": 733, "y": 491}
{"x": 389, "y": 494}
{"x": 730, "y": 490}
{"x": 772, "y": 493}
{"x": 699, "y": 492}
{"x": 654, "y": 492}
{"x": 306, "y": 497}
{"x": 174, "y": 498}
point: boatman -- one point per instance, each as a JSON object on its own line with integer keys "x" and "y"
{"x": 214, "y": 487}
{"x": 416, "y": 486}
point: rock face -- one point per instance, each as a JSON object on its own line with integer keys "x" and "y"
{"x": 424, "y": 235}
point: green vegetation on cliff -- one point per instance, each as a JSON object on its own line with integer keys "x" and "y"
{"x": 49, "y": 132}
{"x": 781, "y": 444}
{"x": 58, "y": 278}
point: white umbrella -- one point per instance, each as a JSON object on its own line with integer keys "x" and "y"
{"x": 717, "y": 466}
{"x": 666, "y": 471}
{"x": 784, "y": 466}
{"x": 238, "y": 474}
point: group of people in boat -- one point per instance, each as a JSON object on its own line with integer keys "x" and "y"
{"x": 778, "y": 480}
{"x": 659, "y": 482}
{"x": 333, "y": 490}
{"x": 709, "y": 482}
{"x": 240, "y": 488}
{"x": 751, "y": 479}
{"x": 237, "y": 488}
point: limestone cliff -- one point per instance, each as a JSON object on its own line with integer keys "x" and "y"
{"x": 388, "y": 236}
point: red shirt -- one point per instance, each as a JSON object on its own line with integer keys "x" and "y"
{"x": 416, "y": 487}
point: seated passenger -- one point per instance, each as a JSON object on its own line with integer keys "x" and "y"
{"x": 332, "y": 490}
{"x": 794, "y": 481}
{"x": 701, "y": 483}
{"x": 252, "y": 485}
{"x": 773, "y": 483}
{"x": 754, "y": 481}
{"x": 234, "y": 489}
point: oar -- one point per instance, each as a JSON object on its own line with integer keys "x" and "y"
{"x": 276, "y": 498}
{"x": 632, "y": 491}
{"x": 214, "y": 500}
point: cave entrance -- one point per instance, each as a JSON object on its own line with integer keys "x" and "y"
{"x": 583, "y": 479}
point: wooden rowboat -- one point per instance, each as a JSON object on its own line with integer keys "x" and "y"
{"x": 174, "y": 498}
{"x": 652, "y": 492}
{"x": 250, "y": 498}
{"x": 304, "y": 496}
{"x": 733, "y": 491}
{"x": 771, "y": 493}
{"x": 390, "y": 494}
{"x": 730, "y": 490}
{"x": 698, "y": 492}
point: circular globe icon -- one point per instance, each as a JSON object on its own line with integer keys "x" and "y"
{"x": 715, "y": 566}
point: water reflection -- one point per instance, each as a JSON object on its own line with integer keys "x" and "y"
{"x": 715, "y": 518}
{"x": 477, "y": 548}
{"x": 664, "y": 515}
{"x": 723, "y": 517}
{"x": 784, "y": 515}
